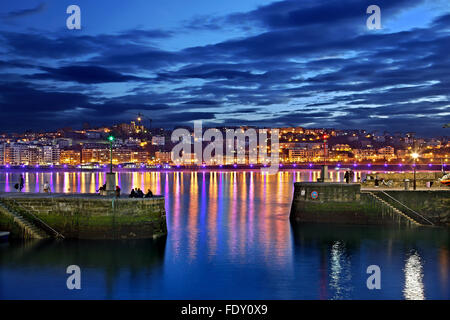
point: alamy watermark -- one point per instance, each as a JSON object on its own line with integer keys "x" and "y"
{"x": 189, "y": 149}
{"x": 74, "y": 20}
{"x": 374, "y": 280}
{"x": 374, "y": 20}
{"x": 74, "y": 280}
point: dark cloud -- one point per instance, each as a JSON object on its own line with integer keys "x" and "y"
{"x": 38, "y": 109}
{"x": 306, "y": 62}
{"x": 202, "y": 103}
{"x": 25, "y": 12}
{"x": 84, "y": 74}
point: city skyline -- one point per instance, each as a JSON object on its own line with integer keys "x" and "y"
{"x": 255, "y": 63}
{"x": 133, "y": 144}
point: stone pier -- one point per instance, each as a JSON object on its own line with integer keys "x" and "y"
{"x": 348, "y": 204}
{"x": 87, "y": 216}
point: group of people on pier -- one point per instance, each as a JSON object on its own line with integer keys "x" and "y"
{"x": 349, "y": 175}
{"x": 137, "y": 193}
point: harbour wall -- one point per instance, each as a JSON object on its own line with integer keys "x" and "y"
{"x": 346, "y": 203}
{"x": 88, "y": 216}
{"x": 427, "y": 180}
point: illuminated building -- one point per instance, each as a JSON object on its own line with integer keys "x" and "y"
{"x": 163, "y": 157}
{"x": 70, "y": 157}
{"x": 158, "y": 140}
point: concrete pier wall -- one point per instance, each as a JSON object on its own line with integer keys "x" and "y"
{"x": 398, "y": 180}
{"x": 346, "y": 203}
{"x": 94, "y": 217}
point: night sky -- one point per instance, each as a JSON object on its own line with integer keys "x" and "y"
{"x": 309, "y": 63}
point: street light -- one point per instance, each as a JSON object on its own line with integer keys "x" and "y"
{"x": 415, "y": 156}
{"x": 111, "y": 139}
{"x": 324, "y": 173}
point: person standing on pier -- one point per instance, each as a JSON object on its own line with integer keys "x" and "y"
{"x": 347, "y": 176}
{"x": 21, "y": 183}
{"x": 352, "y": 175}
{"x": 47, "y": 188}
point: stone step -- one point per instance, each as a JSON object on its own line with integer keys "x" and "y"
{"x": 35, "y": 231}
{"x": 397, "y": 211}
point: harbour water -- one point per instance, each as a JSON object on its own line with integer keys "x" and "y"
{"x": 229, "y": 237}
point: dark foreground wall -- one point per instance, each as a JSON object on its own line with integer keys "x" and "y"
{"x": 94, "y": 217}
{"x": 345, "y": 203}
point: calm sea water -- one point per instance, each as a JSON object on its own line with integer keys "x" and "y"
{"x": 229, "y": 238}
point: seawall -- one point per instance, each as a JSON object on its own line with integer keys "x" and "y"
{"x": 424, "y": 180}
{"x": 348, "y": 204}
{"x": 88, "y": 216}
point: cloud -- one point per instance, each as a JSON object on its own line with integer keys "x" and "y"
{"x": 25, "y": 12}
{"x": 306, "y": 62}
{"x": 84, "y": 74}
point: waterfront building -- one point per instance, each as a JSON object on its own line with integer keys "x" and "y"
{"x": 163, "y": 157}
{"x": 387, "y": 152}
{"x": 2, "y": 154}
{"x": 158, "y": 140}
{"x": 51, "y": 154}
{"x": 70, "y": 157}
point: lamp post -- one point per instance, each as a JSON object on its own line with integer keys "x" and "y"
{"x": 324, "y": 173}
{"x": 110, "y": 176}
{"x": 415, "y": 156}
{"x": 111, "y": 140}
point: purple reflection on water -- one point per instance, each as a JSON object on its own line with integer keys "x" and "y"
{"x": 78, "y": 182}
{"x": 36, "y": 188}
{"x": 7, "y": 189}
{"x": 51, "y": 182}
{"x": 158, "y": 183}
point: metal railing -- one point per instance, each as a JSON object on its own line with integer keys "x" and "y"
{"x": 408, "y": 208}
{"x": 34, "y": 219}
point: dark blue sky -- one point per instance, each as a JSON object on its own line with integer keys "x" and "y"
{"x": 250, "y": 62}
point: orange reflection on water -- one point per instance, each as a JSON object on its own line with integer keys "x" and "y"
{"x": 92, "y": 186}
{"x": 243, "y": 215}
{"x": 157, "y": 180}
{"x": 192, "y": 216}
{"x": 232, "y": 218}
{"x": 213, "y": 196}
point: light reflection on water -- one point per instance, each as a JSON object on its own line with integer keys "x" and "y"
{"x": 414, "y": 288}
{"x": 89, "y": 182}
{"x": 229, "y": 237}
{"x": 340, "y": 276}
